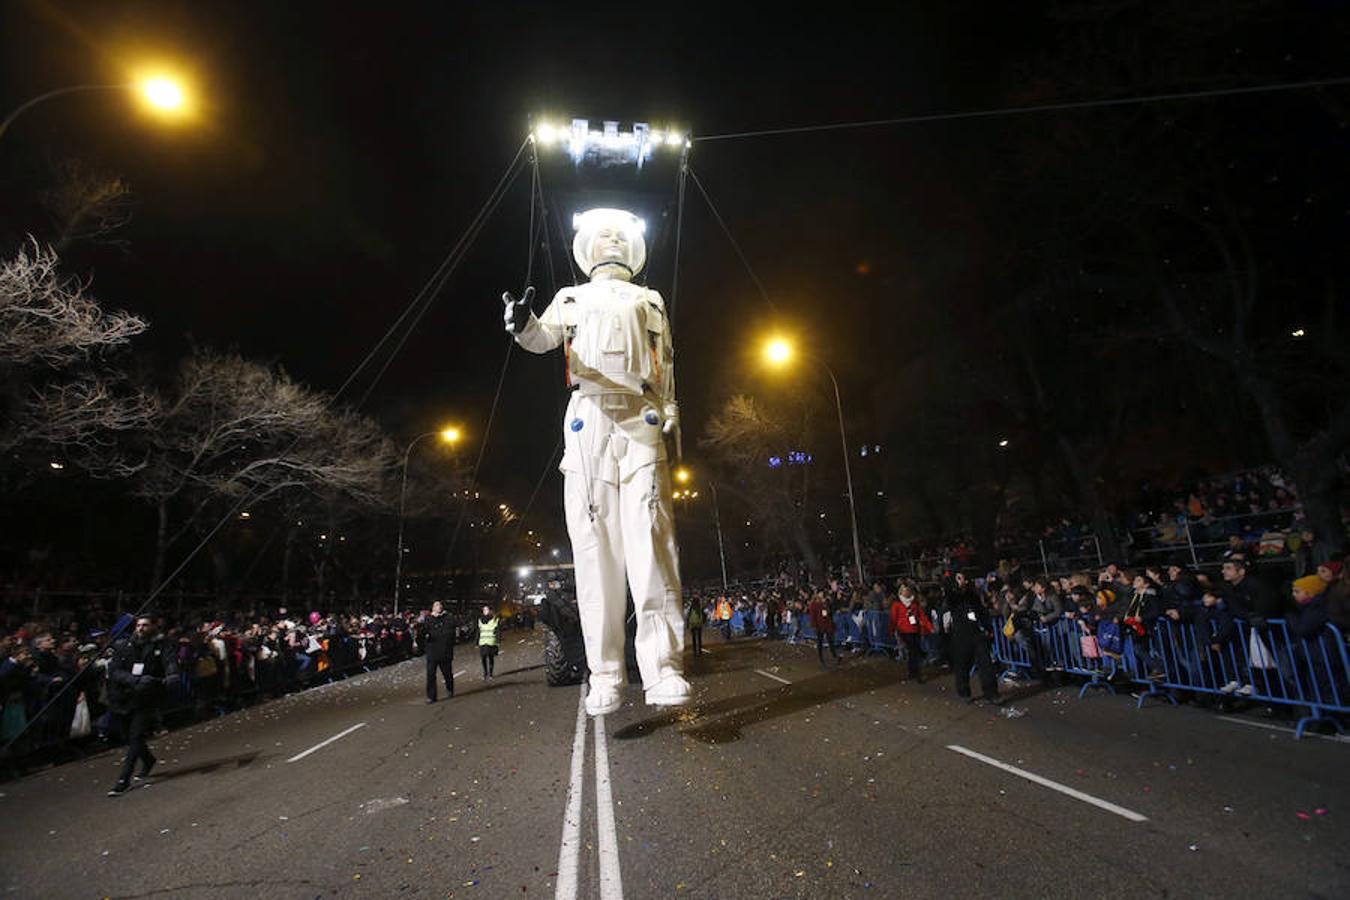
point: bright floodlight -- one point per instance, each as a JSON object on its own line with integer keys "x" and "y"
{"x": 546, "y": 133}
{"x": 1003, "y": 443}
{"x": 682, "y": 475}
{"x": 450, "y": 435}
{"x": 163, "y": 94}
{"x": 674, "y": 139}
{"x": 525, "y": 571}
{"x": 778, "y": 351}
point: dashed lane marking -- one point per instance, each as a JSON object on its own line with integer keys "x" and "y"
{"x": 1052, "y": 785}
{"x": 322, "y": 744}
{"x": 771, "y": 675}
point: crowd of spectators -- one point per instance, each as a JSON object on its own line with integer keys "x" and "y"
{"x": 53, "y": 684}
{"x": 1102, "y": 605}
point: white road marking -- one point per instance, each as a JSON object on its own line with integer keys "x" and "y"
{"x": 322, "y": 744}
{"x": 569, "y": 853}
{"x": 1339, "y": 738}
{"x": 611, "y": 882}
{"x": 1053, "y": 785}
{"x": 460, "y": 672}
{"x": 771, "y": 675}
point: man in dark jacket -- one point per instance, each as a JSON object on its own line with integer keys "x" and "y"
{"x": 1248, "y": 596}
{"x": 138, "y": 674}
{"x": 438, "y": 637}
{"x": 971, "y": 632}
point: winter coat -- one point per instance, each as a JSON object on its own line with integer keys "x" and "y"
{"x": 1253, "y": 598}
{"x": 438, "y": 636}
{"x": 910, "y": 618}
{"x": 969, "y": 617}
{"x": 138, "y": 672}
{"x": 821, "y": 620}
{"x": 1048, "y": 608}
{"x": 1307, "y": 620}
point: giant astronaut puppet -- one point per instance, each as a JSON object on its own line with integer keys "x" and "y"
{"x": 617, "y": 491}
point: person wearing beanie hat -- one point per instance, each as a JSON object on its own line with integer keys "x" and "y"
{"x": 1308, "y": 587}
{"x": 1312, "y": 649}
{"x": 1308, "y": 619}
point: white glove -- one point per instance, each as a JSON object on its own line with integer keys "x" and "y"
{"x": 517, "y": 313}
{"x": 672, "y": 416}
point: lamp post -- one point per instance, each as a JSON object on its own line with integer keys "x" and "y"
{"x": 779, "y": 352}
{"x": 717, "y": 520}
{"x": 164, "y": 95}
{"x": 682, "y": 475}
{"x": 448, "y": 435}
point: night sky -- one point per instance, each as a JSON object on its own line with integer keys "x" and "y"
{"x": 344, "y": 147}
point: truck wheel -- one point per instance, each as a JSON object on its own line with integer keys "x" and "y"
{"x": 557, "y": 669}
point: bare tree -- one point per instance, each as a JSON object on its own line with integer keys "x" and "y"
{"x": 48, "y": 318}
{"x": 742, "y": 437}
{"x": 57, "y": 387}
{"x": 231, "y": 428}
{"x": 87, "y": 204}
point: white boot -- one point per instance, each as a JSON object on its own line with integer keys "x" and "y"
{"x": 672, "y": 690}
{"x": 602, "y": 700}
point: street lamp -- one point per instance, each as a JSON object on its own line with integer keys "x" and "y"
{"x": 449, "y": 436}
{"x": 779, "y": 352}
{"x": 160, "y": 93}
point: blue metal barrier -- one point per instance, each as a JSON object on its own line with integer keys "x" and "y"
{"x": 877, "y": 632}
{"x": 846, "y": 631}
{"x": 1268, "y": 665}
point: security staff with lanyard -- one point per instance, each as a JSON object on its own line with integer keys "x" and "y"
{"x": 141, "y": 668}
{"x": 438, "y": 640}
{"x": 488, "y": 624}
{"x": 971, "y": 632}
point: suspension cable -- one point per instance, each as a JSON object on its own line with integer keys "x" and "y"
{"x": 735, "y": 246}
{"x": 1037, "y": 108}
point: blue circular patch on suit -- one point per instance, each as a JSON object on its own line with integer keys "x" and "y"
{"x": 651, "y": 418}
{"x": 577, "y": 424}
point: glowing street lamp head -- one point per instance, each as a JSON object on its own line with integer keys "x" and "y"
{"x": 545, "y": 133}
{"x": 682, "y": 475}
{"x": 163, "y": 94}
{"x": 778, "y": 351}
{"x": 451, "y": 435}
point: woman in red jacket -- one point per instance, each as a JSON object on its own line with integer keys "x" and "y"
{"x": 909, "y": 623}
{"x": 822, "y": 620}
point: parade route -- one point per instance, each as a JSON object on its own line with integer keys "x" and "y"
{"x": 840, "y": 782}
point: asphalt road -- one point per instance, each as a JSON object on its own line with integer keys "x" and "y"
{"x": 781, "y": 780}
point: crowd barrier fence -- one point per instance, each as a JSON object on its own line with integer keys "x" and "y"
{"x": 1266, "y": 664}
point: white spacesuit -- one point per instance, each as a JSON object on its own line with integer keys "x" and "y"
{"x": 617, "y": 489}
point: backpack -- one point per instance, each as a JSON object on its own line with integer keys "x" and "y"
{"x": 1110, "y": 639}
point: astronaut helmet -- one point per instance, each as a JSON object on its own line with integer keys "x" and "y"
{"x": 609, "y": 237}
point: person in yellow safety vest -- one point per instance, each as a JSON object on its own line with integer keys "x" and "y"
{"x": 724, "y": 617}
{"x": 488, "y": 626}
